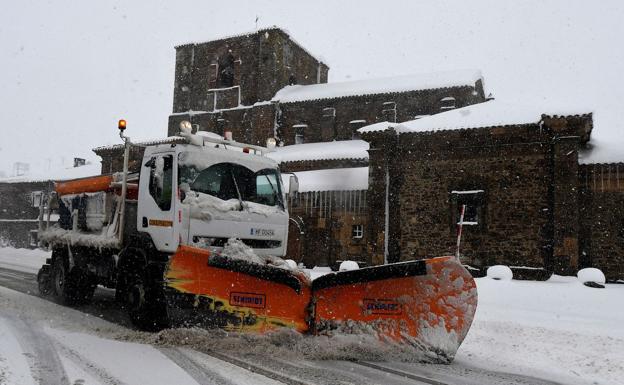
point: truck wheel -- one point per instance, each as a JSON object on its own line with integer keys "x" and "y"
{"x": 144, "y": 308}
{"x": 72, "y": 287}
{"x": 44, "y": 280}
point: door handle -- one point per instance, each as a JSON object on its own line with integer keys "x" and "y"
{"x": 144, "y": 222}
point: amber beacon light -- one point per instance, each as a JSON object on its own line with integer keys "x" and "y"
{"x": 122, "y": 124}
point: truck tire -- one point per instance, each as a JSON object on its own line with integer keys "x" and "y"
{"x": 71, "y": 286}
{"x": 145, "y": 308}
{"x": 44, "y": 280}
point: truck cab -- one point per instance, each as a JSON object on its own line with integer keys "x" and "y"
{"x": 202, "y": 194}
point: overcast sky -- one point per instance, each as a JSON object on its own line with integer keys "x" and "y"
{"x": 70, "y": 69}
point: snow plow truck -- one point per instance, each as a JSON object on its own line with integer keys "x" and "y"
{"x": 195, "y": 239}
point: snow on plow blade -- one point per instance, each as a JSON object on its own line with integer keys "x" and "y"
{"x": 216, "y": 291}
{"x": 427, "y": 304}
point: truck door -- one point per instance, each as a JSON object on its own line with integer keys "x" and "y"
{"x": 156, "y": 209}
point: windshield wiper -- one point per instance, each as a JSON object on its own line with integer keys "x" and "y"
{"x": 275, "y": 192}
{"x": 240, "y": 197}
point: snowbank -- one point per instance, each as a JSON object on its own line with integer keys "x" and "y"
{"x": 26, "y": 260}
{"x": 591, "y": 274}
{"x": 558, "y": 330}
{"x": 348, "y": 265}
{"x": 500, "y": 272}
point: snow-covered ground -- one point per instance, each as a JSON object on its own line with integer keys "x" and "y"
{"x": 23, "y": 259}
{"x": 558, "y": 330}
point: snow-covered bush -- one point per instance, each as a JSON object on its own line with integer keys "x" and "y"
{"x": 348, "y": 265}
{"x": 292, "y": 264}
{"x": 591, "y": 274}
{"x": 500, "y": 272}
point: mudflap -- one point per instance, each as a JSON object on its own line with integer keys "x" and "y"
{"x": 206, "y": 290}
{"x": 427, "y": 304}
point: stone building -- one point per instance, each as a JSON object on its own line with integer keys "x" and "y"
{"x": 530, "y": 204}
{"x": 22, "y": 197}
{"x": 329, "y": 213}
{"x": 265, "y": 85}
{"x": 537, "y": 196}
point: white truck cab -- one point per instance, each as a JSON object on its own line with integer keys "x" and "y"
{"x": 204, "y": 193}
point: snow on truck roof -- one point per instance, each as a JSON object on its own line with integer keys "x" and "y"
{"x": 343, "y": 149}
{"x": 395, "y": 84}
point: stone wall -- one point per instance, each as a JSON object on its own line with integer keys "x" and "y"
{"x": 323, "y": 222}
{"x": 17, "y": 214}
{"x": 520, "y": 180}
{"x": 339, "y": 118}
{"x": 602, "y": 218}
{"x": 260, "y": 64}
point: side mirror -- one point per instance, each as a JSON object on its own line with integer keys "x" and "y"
{"x": 150, "y": 163}
{"x": 293, "y": 184}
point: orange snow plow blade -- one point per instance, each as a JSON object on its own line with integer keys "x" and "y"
{"x": 428, "y": 304}
{"x": 216, "y": 291}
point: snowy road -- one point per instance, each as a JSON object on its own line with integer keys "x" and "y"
{"x": 45, "y": 343}
{"x": 95, "y": 344}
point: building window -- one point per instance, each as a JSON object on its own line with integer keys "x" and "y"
{"x": 36, "y": 197}
{"x": 329, "y": 112}
{"x": 474, "y": 202}
{"x": 389, "y": 112}
{"x": 300, "y": 133}
{"x": 447, "y": 103}
{"x": 226, "y": 72}
{"x": 357, "y": 231}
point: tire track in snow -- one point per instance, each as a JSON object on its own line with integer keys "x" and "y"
{"x": 400, "y": 373}
{"x": 197, "y": 371}
{"x": 87, "y": 365}
{"x": 255, "y": 372}
{"x": 38, "y": 347}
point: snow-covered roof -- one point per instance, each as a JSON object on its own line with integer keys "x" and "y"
{"x": 406, "y": 83}
{"x": 141, "y": 142}
{"x": 255, "y": 32}
{"x": 493, "y": 113}
{"x": 58, "y": 174}
{"x": 336, "y": 179}
{"x": 379, "y": 126}
{"x": 344, "y": 149}
{"x": 605, "y": 146}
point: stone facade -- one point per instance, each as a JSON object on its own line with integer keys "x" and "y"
{"x": 324, "y": 120}
{"x": 328, "y": 227}
{"x": 602, "y": 218}
{"x": 520, "y": 184}
{"x": 18, "y": 215}
{"x": 241, "y": 70}
{"x": 231, "y": 84}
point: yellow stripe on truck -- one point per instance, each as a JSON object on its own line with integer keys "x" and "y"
{"x": 160, "y": 222}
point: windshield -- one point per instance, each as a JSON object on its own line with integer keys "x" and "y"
{"x": 227, "y": 180}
